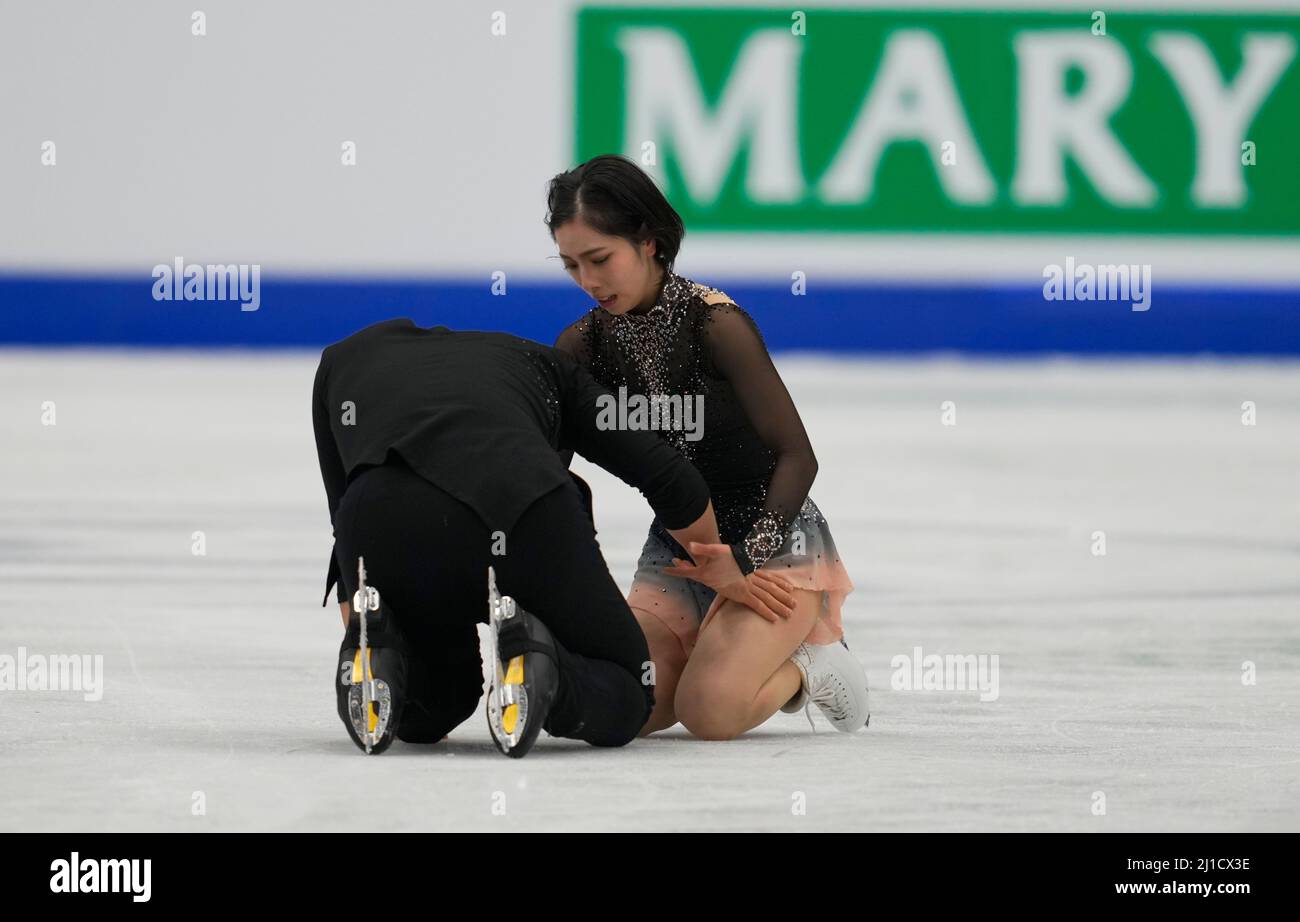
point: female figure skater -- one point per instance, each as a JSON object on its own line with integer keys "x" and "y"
{"x": 720, "y": 667}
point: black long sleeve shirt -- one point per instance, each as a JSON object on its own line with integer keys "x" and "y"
{"x": 484, "y": 416}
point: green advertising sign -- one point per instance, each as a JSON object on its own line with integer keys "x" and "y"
{"x": 963, "y": 121}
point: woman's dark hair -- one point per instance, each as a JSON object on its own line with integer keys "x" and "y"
{"x": 617, "y": 198}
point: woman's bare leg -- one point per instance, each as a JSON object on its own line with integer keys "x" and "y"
{"x": 739, "y": 672}
{"x": 666, "y": 653}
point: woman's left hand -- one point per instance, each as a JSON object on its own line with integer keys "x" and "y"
{"x": 769, "y": 595}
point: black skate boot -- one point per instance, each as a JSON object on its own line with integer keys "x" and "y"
{"x": 525, "y": 676}
{"x": 374, "y": 666}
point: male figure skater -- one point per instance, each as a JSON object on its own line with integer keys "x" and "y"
{"x": 440, "y": 453}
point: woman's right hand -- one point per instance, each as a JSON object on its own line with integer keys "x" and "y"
{"x": 769, "y": 595}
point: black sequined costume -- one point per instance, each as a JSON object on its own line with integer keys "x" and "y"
{"x": 754, "y": 452}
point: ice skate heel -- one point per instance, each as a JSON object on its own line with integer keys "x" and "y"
{"x": 523, "y": 686}
{"x": 371, "y": 680}
{"x": 834, "y": 680}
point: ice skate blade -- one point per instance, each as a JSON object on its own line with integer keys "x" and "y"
{"x": 508, "y": 708}
{"x": 373, "y": 729}
{"x": 507, "y": 698}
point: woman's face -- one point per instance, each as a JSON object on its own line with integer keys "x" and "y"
{"x": 619, "y": 276}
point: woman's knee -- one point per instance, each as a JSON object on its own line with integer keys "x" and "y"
{"x": 711, "y": 706}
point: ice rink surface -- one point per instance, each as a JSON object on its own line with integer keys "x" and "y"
{"x": 1120, "y": 675}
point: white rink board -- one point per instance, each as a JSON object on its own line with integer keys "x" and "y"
{"x": 457, "y": 133}
{"x": 1119, "y": 674}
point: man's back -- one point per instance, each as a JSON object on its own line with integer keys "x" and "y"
{"x": 476, "y": 413}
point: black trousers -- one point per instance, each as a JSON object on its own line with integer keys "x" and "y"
{"x": 427, "y": 553}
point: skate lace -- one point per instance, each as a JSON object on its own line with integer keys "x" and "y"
{"x": 807, "y": 712}
{"x": 826, "y": 696}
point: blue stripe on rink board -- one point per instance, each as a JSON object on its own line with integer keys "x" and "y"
{"x": 846, "y": 318}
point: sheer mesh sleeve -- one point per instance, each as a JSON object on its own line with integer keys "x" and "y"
{"x": 573, "y": 340}
{"x": 737, "y": 351}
